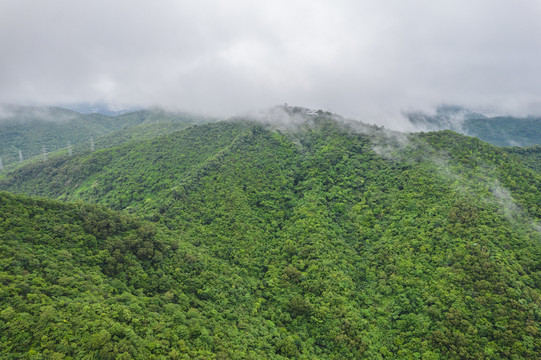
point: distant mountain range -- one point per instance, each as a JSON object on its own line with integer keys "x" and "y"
{"x": 101, "y": 108}
{"x": 32, "y": 130}
{"x": 293, "y": 235}
{"x": 27, "y": 131}
{"x": 497, "y": 130}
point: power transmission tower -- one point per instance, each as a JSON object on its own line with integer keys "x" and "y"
{"x": 1, "y": 165}
{"x": 92, "y": 144}
{"x": 20, "y": 155}
{"x": 69, "y": 148}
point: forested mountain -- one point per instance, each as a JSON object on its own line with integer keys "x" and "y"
{"x": 530, "y": 156}
{"x": 497, "y": 130}
{"x": 101, "y": 108}
{"x": 129, "y": 134}
{"x": 31, "y": 129}
{"x": 318, "y": 238}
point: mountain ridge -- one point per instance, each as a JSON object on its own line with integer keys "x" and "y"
{"x": 499, "y": 130}
{"x": 32, "y": 129}
{"x": 322, "y": 239}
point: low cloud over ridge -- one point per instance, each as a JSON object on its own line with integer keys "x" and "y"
{"x": 368, "y": 60}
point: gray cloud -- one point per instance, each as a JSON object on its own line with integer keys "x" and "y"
{"x": 368, "y": 59}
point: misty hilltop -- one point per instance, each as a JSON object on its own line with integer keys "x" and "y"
{"x": 368, "y": 223}
{"x": 31, "y": 129}
{"x": 316, "y": 238}
{"x": 498, "y": 130}
{"x": 355, "y": 58}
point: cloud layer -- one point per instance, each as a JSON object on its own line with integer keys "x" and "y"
{"x": 365, "y": 59}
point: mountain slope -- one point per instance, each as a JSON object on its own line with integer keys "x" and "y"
{"x": 497, "y": 130}
{"x": 330, "y": 239}
{"x": 136, "y": 170}
{"x": 29, "y": 129}
{"x": 506, "y": 130}
{"x": 530, "y": 156}
{"x": 63, "y": 280}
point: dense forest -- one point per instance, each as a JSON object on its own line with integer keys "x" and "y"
{"x": 34, "y": 129}
{"x": 315, "y": 239}
{"x": 530, "y": 156}
{"x": 498, "y": 130}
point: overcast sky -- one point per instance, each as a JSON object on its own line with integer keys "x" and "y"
{"x": 365, "y": 59}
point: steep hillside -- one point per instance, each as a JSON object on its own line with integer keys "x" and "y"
{"x": 506, "y": 130}
{"x": 126, "y": 175}
{"x": 81, "y": 281}
{"x": 327, "y": 239}
{"x": 29, "y": 129}
{"x": 497, "y": 130}
{"x": 530, "y": 156}
{"x": 69, "y": 276}
{"x": 131, "y": 134}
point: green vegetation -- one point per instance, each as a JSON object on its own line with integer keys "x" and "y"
{"x": 131, "y": 134}
{"x": 530, "y": 156}
{"x": 506, "y": 130}
{"x": 30, "y": 128}
{"x": 326, "y": 240}
{"x": 497, "y": 130}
